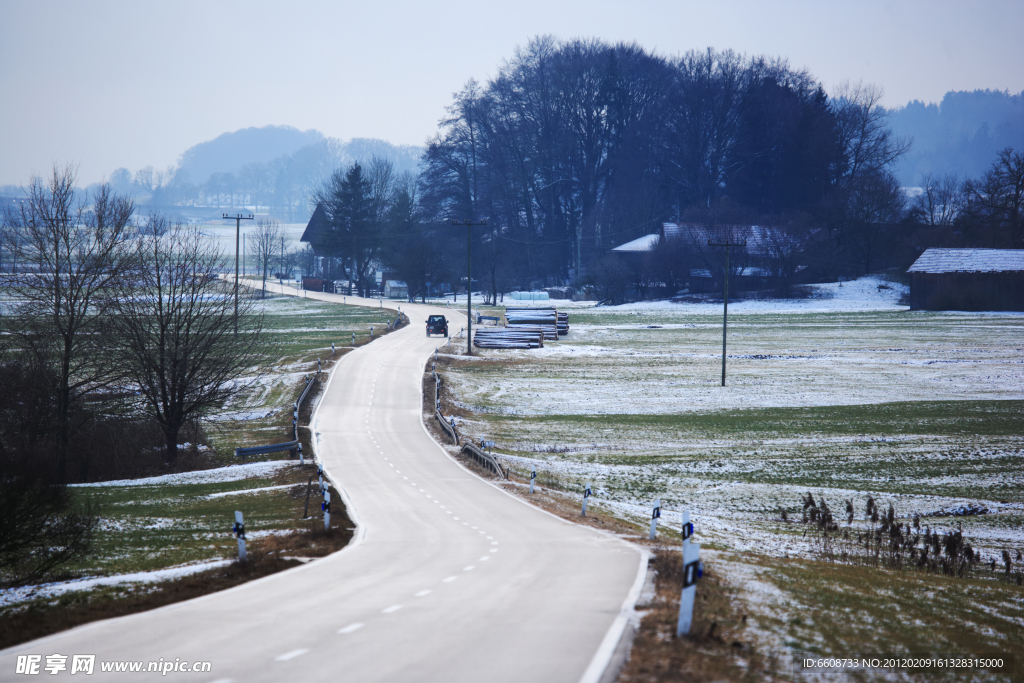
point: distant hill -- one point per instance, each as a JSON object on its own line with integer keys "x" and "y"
{"x": 229, "y": 152}
{"x": 960, "y": 135}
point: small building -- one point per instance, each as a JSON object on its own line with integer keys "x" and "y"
{"x": 968, "y": 280}
{"x": 395, "y": 289}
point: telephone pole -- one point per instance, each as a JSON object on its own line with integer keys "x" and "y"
{"x": 725, "y": 298}
{"x": 469, "y": 280}
{"x": 238, "y": 229}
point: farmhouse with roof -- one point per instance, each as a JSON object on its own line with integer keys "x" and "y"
{"x": 968, "y": 280}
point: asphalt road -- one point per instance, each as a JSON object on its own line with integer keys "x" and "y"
{"x": 448, "y": 579}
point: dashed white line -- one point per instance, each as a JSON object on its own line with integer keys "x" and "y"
{"x": 425, "y": 591}
{"x": 291, "y": 655}
{"x": 485, "y": 558}
{"x": 449, "y": 579}
{"x": 351, "y": 628}
{"x": 494, "y": 550}
{"x": 494, "y": 543}
{"x": 389, "y": 610}
{"x": 469, "y": 568}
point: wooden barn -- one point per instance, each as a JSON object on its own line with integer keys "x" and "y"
{"x": 968, "y": 280}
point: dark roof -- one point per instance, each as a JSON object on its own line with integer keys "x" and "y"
{"x": 316, "y": 229}
{"x": 969, "y": 261}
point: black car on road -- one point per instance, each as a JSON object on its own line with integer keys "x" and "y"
{"x": 437, "y": 324}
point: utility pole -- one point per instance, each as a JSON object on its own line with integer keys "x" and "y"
{"x": 238, "y": 230}
{"x": 469, "y": 280}
{"x": 725, "y": 298}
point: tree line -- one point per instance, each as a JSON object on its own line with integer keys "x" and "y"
{"x": 576, "y": 147}
{"x": 117, "y": 336}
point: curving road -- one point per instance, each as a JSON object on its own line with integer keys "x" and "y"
{"x": 448, "y": 579}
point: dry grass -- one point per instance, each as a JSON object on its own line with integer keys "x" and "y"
{"x": 718, "y": 647}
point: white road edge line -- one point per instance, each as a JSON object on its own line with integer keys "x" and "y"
{"x": 606, "y": 650}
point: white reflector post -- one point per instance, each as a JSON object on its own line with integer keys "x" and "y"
{"x": 327, "y": 510}
{"x": 240, "y": 534}
{"x": 586, "y": 494}
{"x": 533, "y": 478}
{"x": 691, "y": 573}
{"x": 654, "y": 518}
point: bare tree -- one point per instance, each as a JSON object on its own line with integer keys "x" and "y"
{"x": 868, "y": 145}
{"x": 74, "y": 255}
{"x": 941, "y": 199}
{"x": 994, "y": 205}
{"x": 176, "y": 325}
{"x": 264, "y": 247}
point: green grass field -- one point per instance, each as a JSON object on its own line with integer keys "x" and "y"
{"x": 921, "y": 410}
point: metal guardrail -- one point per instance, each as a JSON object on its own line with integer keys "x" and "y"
{"x": 273, "y": 448}
{"x": 448, "y": 429}
{"x": 481, "y": 456}
{"x": 484, "y": 458}
{"x": 298, "y": 404}
{"x": 294, "y": 446}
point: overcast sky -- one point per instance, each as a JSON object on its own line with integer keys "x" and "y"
{"x": 109, "y": 84}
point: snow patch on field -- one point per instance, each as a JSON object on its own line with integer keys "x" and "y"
{"x": 11, "y": 596}
{"x": 214, "y": 476}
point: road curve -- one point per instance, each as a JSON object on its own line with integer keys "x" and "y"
{"x": 448, "y": 578}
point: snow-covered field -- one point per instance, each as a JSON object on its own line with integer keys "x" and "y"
{"x": 846, "y": 394}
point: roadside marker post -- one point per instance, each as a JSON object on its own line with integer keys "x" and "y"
{"x": 654, "y": 518}
{"x": 533, "y": 478}
{"x": 326, "y": 506}
{"x": 371, "y": 331}
{"x": 353, "y": 339}
{"x": 239, "y": 529}
{"x": 318, "y": 366}
{"x": 332, "y": 349}
{"x": 693, "y": 570}
{"x": 302, "y": 460}
{"x": 320, "y": 477}
{"x": 586, "y": 494}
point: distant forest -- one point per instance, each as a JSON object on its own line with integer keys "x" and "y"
{"x": 960, "y": 135}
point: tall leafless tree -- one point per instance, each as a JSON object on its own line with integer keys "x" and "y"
{"x": 75, "y": 255}
{"x": 175, "y": 324}
{"x": 265, "y": 248}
